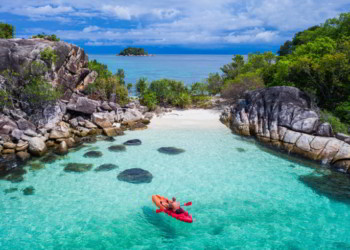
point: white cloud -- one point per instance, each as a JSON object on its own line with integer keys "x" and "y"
{"x": 91, "y": 29}
{"x": 180, "y": 22}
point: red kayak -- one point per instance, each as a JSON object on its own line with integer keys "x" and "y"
{"x": 185, "y": 217}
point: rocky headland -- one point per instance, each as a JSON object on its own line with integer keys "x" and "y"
{"x": 286, "y": 119}
{"x": 66, "y": 123}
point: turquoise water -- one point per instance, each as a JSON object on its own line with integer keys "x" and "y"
{"x": 242, "y": 197}
{"x": 186, "y": 68}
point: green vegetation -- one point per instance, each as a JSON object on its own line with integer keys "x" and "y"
{"x": 7, "y": 31}
{"x": 29, "y": 88}
{"x": 107, "y": 84}
{"x": 49, "y": 55}
{"x": 130, "y": 51}
{"x": 163, "y": 92}
{"x": 316, "y": 61}
{"x": 52, "y": 37}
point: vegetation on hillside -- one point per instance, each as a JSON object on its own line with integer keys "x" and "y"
{"x": 316, "y": 61}
{"x": 107, "y": 84}
{"x": 131, "y": 51}
{"x": 52, "y": 37}
{"x": 7, "y": 31}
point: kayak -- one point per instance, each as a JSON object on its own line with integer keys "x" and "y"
{"x": 185, "y": 217}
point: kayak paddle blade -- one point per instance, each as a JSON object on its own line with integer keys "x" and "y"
{"x": 159, "y": 211}
{"x": 188, "y": 204}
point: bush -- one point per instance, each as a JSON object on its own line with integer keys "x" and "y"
{"x": 149, "y": 99}
{"x": 142, "y": 86}
{"x": 337, "y": 125}
{"x": 199, "y": 88}
{"x": 7, "y": 31}
{"x": 38, "y": 92}
{"x": 49, "y": 55}
{"x": 182, "y": 100}
{"x": 101, "y": 69}
{"x": 121, "y": 94}
{"x": 236, "y": 88}
{"x": 215, "y": 83}
{"x": 52, "y": 37}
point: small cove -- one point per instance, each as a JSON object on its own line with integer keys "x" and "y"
{"x": 242, "y": 196}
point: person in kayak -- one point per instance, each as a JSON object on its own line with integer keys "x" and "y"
{"x": 173, "y": 205}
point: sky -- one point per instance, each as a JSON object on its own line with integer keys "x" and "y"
{"x": 170, "y": 26}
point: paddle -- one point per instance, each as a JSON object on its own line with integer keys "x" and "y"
{"x": 184, "y": 205}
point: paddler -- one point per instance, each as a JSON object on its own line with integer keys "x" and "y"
{"x": 173, "y": 205}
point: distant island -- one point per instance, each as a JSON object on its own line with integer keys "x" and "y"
{"x": 130, "y": 51}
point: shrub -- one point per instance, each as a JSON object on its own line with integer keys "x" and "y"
{"x": 49, "y": 55}
{"x": 142, "y": 86}
{"x": 52, "y": 37}
{"x": 236, "y": 88}
{"x": 122, "y": 95}
{"x": 337, "y": 125}
{"x": 215, "y": 83}
{"x": 100, "y": 68}
{"x": 39, "y": 92}
{"x": 199, "y": 88}
{"x": 7, "y": 31}
{"x": 149, "y": 99}
{"x": 182, "y": 100}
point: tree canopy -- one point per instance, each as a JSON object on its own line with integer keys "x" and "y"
{"x": 7, "y": 31}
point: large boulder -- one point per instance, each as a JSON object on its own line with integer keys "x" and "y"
{"x": 285, "y": 117}
{"x": 83, "y": 105}
{"x": 59, "y": 132}
{"x": 37, "y": 146}
{"x": 102, "y": 120}
{"x": 132, "y": 115}
{"x": 7, "y": 125}
{"x": 23, "y": 124}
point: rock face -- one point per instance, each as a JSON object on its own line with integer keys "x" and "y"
{"x": 284, "y": 118}
{"x": 70, "y": 69}
{"x": 135, "y": 175}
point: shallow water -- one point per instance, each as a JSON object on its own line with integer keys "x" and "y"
{"x": 186, "y": 68}
{"x": 241, "y": 198}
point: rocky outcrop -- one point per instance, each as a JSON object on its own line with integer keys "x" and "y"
{"x": 285, "y": 118}
{"x": 70, "y": 69}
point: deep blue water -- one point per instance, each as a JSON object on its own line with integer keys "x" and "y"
{"x": 186, "y": 68}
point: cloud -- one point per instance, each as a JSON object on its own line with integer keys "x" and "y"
{"x": 91, "y": 29}
{"x": 178, "y": 22}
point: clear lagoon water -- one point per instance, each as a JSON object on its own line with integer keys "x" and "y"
{"x": 186, "y": 68}
{"x": 243, "y": 197}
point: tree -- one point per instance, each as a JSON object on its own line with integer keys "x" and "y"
{"x": 52, "y": 37}
{"x": 7, "y": 31}
{"x": 215, "y": 83}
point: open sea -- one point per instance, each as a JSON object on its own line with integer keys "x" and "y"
{"x": 186, "y": 68}
{"x": 243, "y": 196}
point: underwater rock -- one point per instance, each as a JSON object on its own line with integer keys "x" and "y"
{"x": 335, "y": 186}
{"x": 106, "y": 167}
{"x": 16, "y": 175}
{"x": 241, "y": 150}
{"x": 36, "y": 166}
{"x": 29, "y": 190}
{"x": 10, "y": 190}
{"x": 93, "y": 154}
{"x": 78, "y": 167}
{"x": 110, "y": 139}
{"x": 135, "y": 175}
{"x": 171, "y": 150}
{"x": 117, "y": 148}
{"x": 51, "y": 158}
{"x": 133, "y": 142}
